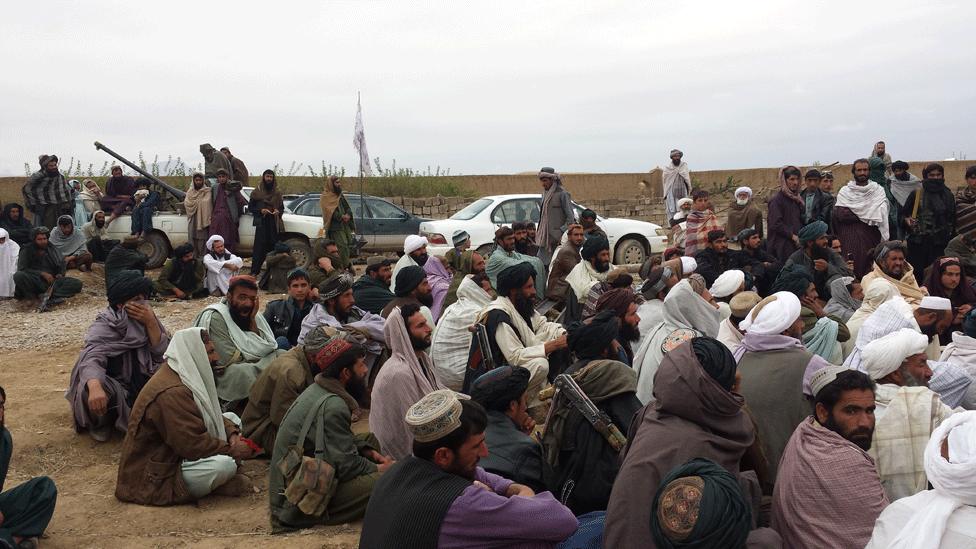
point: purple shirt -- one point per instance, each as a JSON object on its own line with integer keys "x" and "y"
{"x": 479, "y": 518}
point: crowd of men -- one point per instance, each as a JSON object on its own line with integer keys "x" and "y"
{"x": 798, "y": 378}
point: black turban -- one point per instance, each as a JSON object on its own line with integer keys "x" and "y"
{"x": 496, "y": 389}
{"x": 511, "y": 278}
{"x": 590, "y": 340}
{"x": 712, "y": 236}
{"x": 408, "y": 279}
{"x": 716, "y": 360}
{"x": 127, "y": 284}
{"x": 700, "y": 505}
{"x": 899, "y": 165}
{"x": 593, "y": 246}
{"x": 334, "y": 287}
{"x": 182, "y": 250}
{"x": 793, "y": 278}
{"x": 745, "y": 234}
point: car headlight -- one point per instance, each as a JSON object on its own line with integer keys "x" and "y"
{"x": 433, "y": 238}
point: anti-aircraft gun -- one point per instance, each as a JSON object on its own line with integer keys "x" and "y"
{"x": 173, "y": 196}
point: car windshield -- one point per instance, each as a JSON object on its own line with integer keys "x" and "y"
{"x": 472, "y": 209}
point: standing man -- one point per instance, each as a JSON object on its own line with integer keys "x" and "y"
{"x": 879, "y": 152}
{"x": 237, "y": 167}
{"x": 199, "y": 212}
{"x": 965, "y": 205}
{"x": 815, "y": 203}
{"x": 40, "y": 265}
{"x": 860, "y": 217}
{"x": 563, "y": 262}
{"x": 338, "y": 224}
{"x": 266, "y": 206}
{"x": 701, "y": 221}
{"x": 930, "y": 218}
{"x": 228, "y": 204}
{"x": 555, "y": 215}
{"x": 213, "y": 161}
{"x": 47, "y": 194}
{"x": 676, "y": 181}
{"x": 786, "y": 210}
{"x": 743, "y": 214}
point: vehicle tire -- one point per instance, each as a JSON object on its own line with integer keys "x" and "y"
{"x": 301, "y": 251}
{"x": 156, "y": 247}
{"x": 485, "y": 250}
{"x": 630, "y": 251}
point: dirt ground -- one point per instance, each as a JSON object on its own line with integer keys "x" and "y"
{"x": 37, "y": 352}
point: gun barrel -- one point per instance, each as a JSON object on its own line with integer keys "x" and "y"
{"x": 173, "y": 190}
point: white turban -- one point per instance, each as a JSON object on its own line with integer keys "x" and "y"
{"x": 954, "y": 481}
{"x": 741, "y": 190}
{"x": 682, "y": 201}
{"x": 413, "y": 243}
{"x": 935, "y": 303}
{"x": 727, "y": 283}
{"x": 772, "y": 315}
{"x": 688, "y": 265}
{"x": 212, "y": 239}
{"x": 886, "y": 354}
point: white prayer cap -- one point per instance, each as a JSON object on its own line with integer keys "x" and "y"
{"x": 935, "y": 303}
{"x": 435, "y": 416}
{"x": 824, "y": 376}
{"x": 741, "y": 190}
{"x": 727, "y": 283}
{"x": 886, "y": 354}
{"x": 683, "y": 201}
{"x": 772, "y": 315}
{"x": 413, "y": 243}
{"x": 212, "y": 239}
{"x": 688, "y": 265}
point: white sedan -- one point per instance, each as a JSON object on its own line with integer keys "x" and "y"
{"x": 631, "y": 241}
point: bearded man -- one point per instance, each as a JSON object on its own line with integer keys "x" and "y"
{"x": 183, "y": 276}
{"x": 326, "y": 263}
{"x": 756, "y": 261}
{"x": 372, "y": 290}
{"x": 890, "y": 264}
{"x": 221, "y": 266}
{"x": 523, "y": 244}
{"x": 39, "y": 265}
{"x": 95, "y": 232}
{"x": 119, "y": 192}
{"x": 567, "y": 256}
{"x": 238, "y": 169}
{"x": 555, "y": 214}
{"x": 47, "y": 194}
{"x": 505, "y": 256}
{"x": 337, "y": 308}
{"x": 338, "y": 224}
{"x": 860, "y": 217}
{"x": 715, "y": 258}
{"x": 266, "y": 206}
{"x": 12, "y": 220}
{"x": 929, "y": 214}
{"x": 244, "y": 341}
{"x": 825, "y": 264}
{"x": 676, "y": 181}
{"x": 412, "y": 287}
{"x": 414, "y": 254}
{"x": 621, "y": 304}
{"x": 199, "y": 213}
{"x": 228, "y": 205}
{"x": 214, "y": 160}
{"x": 463, "y": 263}
{"x": 594, "y": 267}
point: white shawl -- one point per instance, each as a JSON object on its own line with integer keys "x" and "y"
{"x": 187, "y": 356}
{"x": 583, "y": 276}
{"x": 404, "y": 261}
{"x": 869, "y": 203}
{"x": 452, "y": 339}
{"x": 9, "y": 251}
{"x": 962, "y": 353}
{"x": 253, "y": 346}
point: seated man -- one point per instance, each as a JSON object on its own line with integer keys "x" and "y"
{"x": 907, "y": 410}
{"x": 715, "y": 258}
{"x": 517, "y": 334}
{"x": 512, "y": 451}
{"x": 822, "y": 333}
{"x": 452, "y": 339}
{"x": 504, "y": 256}
{"x": 26, "y": 509}
{"x": 244, "y": 341}
{"x": 221, "y": 266}
{"x": 593, "y": 268}
{"x": 145, "y": 202}
{"x": 285, "y": 316}
{"x": 620, "y": 304}
{"x": 183, "y": 275}
{"x": 179, "y": 447}
{"x": 931, "y": 318}
{"x": 404, "y": 379}
{"x": 13, "y": 220}
{"x": 412, "y": 286}
{"x": 337, "y": 308}
{"x": 372, "y": 290}
{"x": 332, "y": 403}
{"x": 123, "y": 349}
{"x": 580, "y": 463}
{"x": 564, "y": 259}
{"x": 890, "y": 264}
{"x": 279, "y": 264}
{"x": 95, "y": 232}
{"x": 463, "y": 262}
{"x": 71, "y": 244}
{"x": 753, "y": 259}
{"x": 439, "y": 279}
{"x": 700, "y": 504}
{"x": 962, "y": 353}
{"x": 284, "y": 379}
{"x": 730, "y": 331}
{"x": 125, "y": 257}
{"x": 828, "y": 456}
{"x": 656, "y": 286}
{"x": 439, "y": 497}
{"x": 414, "y": 255}
{"x": 523, "y": 243}
{"x": 942, "y": 517}
{"x": 40, "y": 265}
{"x": 814, "y": 254}
{"x": 326, "y": 262}
{"x": 617, "y": 278}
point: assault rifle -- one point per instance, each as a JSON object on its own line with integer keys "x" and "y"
{"x": 567, "y": 387}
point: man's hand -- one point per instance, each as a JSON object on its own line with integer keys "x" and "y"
{"x": 820, "y": 264}
{"x": 48, "y": 277}
{"x": 265, "y": 211}
{"x": 97, "y": 399}
{"x": 326, "y": 264}
{"x": 231, "y": 266}
{"x": 239, "y": 450}
{"x": 140, "y": 313}
{"x": 346, "y": 218}
{"x": 520, "y": 490}
{"x": 962, "y": 312}
{"x": 796, "y": 239}
{"x": 814, "y": 306}
{"x": 483, "y": 486}
{"x": 528, "y": 424}
{"x": 556, "y": 344}
{"x": 179, "y": 293}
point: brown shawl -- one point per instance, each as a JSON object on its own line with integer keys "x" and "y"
{"x": 273, "y": 199}
{"x": 329, "y": 202}
{"x": 199, "y": 205}
{"x": 828, "y": 493}
{"x": 691, "y": 407}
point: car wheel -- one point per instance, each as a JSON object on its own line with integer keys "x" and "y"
{"x": 629, "y": 252}
{"x": 301, "y": 251}
{"x": 485, "y": 250}
{"x": 156, "y": 248}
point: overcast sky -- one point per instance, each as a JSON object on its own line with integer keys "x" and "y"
{"x": 498, "y": 87}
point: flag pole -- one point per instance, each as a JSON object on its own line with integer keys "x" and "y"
{"x": 362, "y": 198}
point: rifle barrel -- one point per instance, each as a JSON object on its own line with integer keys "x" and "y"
{"x": 173, "y": 190}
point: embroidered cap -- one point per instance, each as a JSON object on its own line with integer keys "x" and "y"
{"x": 436, "y": 415}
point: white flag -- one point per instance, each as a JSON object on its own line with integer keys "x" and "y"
{"x": 359, "y": 141}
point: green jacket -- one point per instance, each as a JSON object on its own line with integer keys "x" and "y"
{"x": 199, "y": 274}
